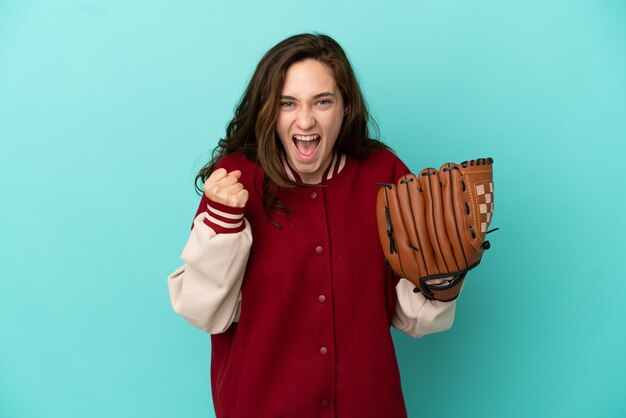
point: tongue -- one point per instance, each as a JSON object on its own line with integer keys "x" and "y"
{"x": 307, "y": 148}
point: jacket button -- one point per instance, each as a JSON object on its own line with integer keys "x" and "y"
{"x": 319, "y": 249}
{"x": 325, "y": 403}
{"x": 313, "y": 195}
{"x": 321, "y": 298}
{"x": 323, "y": 351}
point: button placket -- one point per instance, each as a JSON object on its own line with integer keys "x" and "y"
{"x": 325, "y": 291}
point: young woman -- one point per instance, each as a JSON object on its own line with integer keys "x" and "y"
{"x": 283, "y": 265}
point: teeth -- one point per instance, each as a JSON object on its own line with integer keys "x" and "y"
{"x": 306, "y": 137}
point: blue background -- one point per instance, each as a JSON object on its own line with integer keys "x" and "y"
{"x": 108, "y": 109}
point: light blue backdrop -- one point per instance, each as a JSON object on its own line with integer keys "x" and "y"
{"x": 107, "y": 110}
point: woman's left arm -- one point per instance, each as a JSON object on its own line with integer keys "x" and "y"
{"x": 417, "y": 316}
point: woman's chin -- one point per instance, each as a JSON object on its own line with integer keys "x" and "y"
{"x": 304, "y": 163}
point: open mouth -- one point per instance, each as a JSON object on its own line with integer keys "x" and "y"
{"x": 306, "y": 144}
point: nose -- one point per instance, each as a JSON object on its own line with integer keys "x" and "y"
{"x": 305, "y": 119}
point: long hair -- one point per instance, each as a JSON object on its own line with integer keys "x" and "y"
{"x": 252, "y": 131}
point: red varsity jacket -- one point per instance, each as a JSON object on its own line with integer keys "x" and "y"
{"x": 300, "y": 314}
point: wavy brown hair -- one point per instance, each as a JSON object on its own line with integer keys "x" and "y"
{"x": 252, "y": 131}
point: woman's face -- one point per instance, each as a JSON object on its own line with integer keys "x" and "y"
{"x": 310, "y": 117}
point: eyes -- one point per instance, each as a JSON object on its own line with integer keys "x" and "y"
{"x": 322, "y": 103}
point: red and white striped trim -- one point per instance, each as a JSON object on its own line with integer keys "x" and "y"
{"x": 333, "y": 165}
{"x": 224, "y": 219}
{"x": 288, "y": 169}
{"x": 342, "y": 163}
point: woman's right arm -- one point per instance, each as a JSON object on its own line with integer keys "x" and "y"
{"x": 206, "y": 290}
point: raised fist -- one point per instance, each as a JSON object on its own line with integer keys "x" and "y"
{"x": 224, "y": 187}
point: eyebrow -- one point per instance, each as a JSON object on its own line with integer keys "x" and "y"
{"x": 317, "y": 96}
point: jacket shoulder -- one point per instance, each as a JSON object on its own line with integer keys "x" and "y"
{"x": 386, "y": 159}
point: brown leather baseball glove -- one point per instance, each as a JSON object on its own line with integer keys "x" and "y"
{"x": 433, "y": 225}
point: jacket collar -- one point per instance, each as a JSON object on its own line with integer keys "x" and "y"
{"x": 336, "y": 166}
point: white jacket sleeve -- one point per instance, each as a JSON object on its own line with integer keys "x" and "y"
{"x": 206, "y": 290}
{"x": 417, "y": 316}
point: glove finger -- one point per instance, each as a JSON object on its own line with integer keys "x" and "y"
{"x": 391, "y": 229}
{"x": 451, "y": 190}
{"x": 431, "y": 186}
{"x": 412, "y": 206}
{"x": 386, "y": 231}
{"x": 478, "y": 202}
